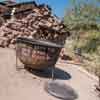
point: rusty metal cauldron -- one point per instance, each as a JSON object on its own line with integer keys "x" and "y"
{"x": 37, "y": 54}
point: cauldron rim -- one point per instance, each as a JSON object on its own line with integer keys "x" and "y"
{"x": 33, "y": 42}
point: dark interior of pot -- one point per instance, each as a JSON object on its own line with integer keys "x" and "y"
{"x": 37, "y": 54}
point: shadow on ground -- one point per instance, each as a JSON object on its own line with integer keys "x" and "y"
{"x": 47, "y": 73}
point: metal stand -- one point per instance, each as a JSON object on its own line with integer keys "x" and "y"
{"x": 52, "y": 73}
{"x": 17, "y": 66}
{"x": 59, "y": 89}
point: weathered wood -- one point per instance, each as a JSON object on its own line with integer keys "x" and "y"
{"x": 38, "y": 23}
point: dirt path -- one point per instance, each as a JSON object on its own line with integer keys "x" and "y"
{"x": 22, "y": 85}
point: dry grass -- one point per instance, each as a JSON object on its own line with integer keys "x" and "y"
{"x": 91, "y": 60}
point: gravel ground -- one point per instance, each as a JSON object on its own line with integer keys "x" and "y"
{"x": 22, "y": 85}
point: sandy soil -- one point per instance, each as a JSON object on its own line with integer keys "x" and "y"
{"x": 23, "y": 85}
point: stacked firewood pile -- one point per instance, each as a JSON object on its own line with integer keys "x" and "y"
{"x": 22, "y": 9}
{"x": 40, "y": 24}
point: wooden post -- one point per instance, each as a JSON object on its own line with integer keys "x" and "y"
{"x": 12, "y": 13}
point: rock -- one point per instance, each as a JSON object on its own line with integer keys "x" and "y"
{"x": 3, "y": 41}
{"x": 12, "y": 46}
